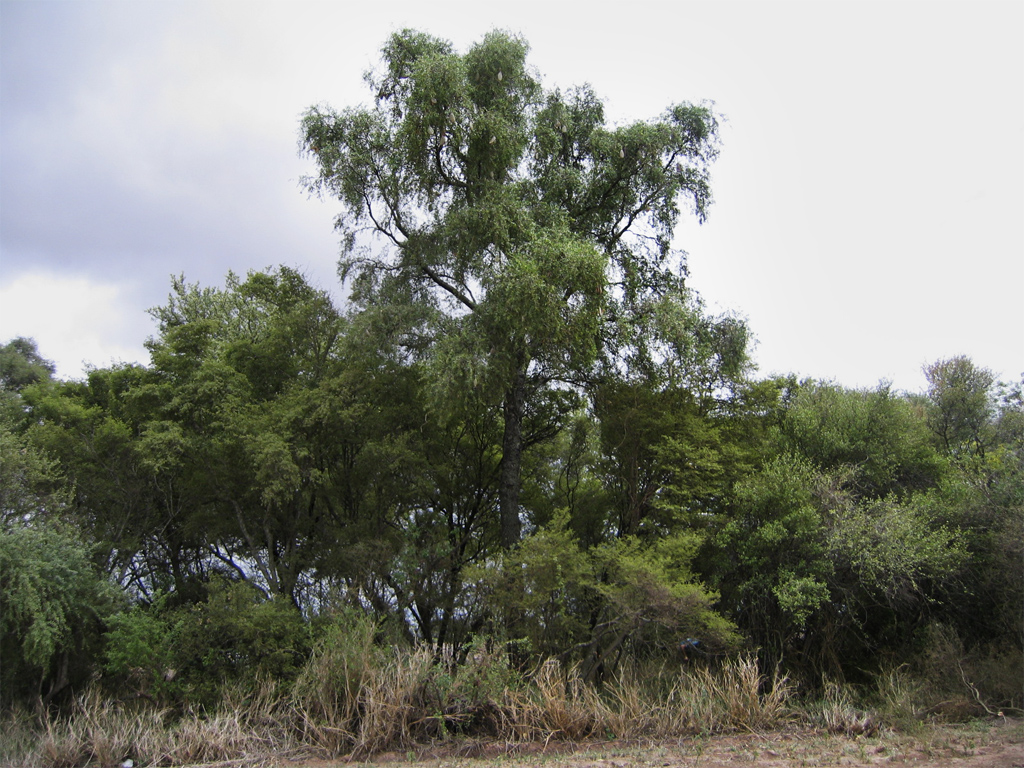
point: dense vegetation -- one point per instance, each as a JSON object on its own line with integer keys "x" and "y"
{"x": 524, "y": 439}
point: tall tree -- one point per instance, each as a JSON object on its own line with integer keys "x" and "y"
{"x": 532, "y": 238}
{"x": 255, "y": 419}
{"x": 93, "y": 429}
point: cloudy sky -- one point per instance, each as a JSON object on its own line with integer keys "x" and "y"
{"x": 869, "y": 213}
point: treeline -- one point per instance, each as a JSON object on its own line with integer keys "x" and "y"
{"x": 524, "y": 435}
{"x": 177, "y": 526}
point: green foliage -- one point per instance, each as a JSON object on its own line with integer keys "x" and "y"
{"x": 985, "y": 500}
{"x": 139, "y": 651}
{"x": 190, "y": 653}
{"x": 776, "y": 546}
{"x": 661, "y": 455}
{"x": 556, "y": 599}
{"x": 877, "y": 435}
{"x": 257, "y": 415}
{"x": 22, "y": 365}
{"x": 821, "y": 565}
{"x": 654, "y": 598}
{"x": 31, "y": 484}
{"x": 522, "y": 234}
{"x": 564, "y": 474}
{"x": 480, "y": 686}
{"x": 53, "y": 601}
{"x": 52, "y": 598}
{"x": 962, "y": 405}
{"x": 238, "y": 635}
{"x": 895, "y": 550}
{"x": 542, "y": 592}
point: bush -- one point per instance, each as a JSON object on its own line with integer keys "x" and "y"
{"x": 51, "y": 602}
{"x": 140, "y": 652}
{"x": 186, "y": 655}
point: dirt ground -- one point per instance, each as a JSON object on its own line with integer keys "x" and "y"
{"x": 996, "y": 743}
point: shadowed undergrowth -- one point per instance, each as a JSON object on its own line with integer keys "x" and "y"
{"x": 357, "y": 698}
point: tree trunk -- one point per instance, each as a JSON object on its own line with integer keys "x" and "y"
{"x": 512, "y": 460}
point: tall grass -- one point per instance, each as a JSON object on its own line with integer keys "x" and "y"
{"x": 97, "y": 731}
{"x": 836, "y": 712}
{"x": 356, "y": 699}
{"x": 658, "y": 702}
{"x": 738, "y": 696}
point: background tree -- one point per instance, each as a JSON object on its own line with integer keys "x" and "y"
{"x": 21, "y": 365}
{"x": 664, "y": 423}
{"x": 128, "y": 497}
{"x": 52, "y": 604}
{"x": 877, "y": 436}
{"x": 32, "y": 487}
{"x": 254, "y": 419}
{"x": 598, "y": 605}
{"x": 962, "y": 405}
{"x": 979, "y": 425}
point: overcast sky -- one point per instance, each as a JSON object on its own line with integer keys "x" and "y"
{"x": 869, "y": 213}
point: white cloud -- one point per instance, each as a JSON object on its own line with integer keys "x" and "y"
{"x": 76, "y": 322}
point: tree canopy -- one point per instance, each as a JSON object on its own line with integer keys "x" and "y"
{"x": 527, "y": 242}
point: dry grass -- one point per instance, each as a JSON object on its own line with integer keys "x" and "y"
{"x": 356, "y": 699}
{"x": 656, "y": 703}
{"x": 837, "y": 713}
{"x": 360, "y": 704}
{"x": 736, "y": 696}
{"x": 392, "y": 702}
{"x": 102, "y": 732}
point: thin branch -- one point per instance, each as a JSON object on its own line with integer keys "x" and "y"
{"x": 442, "y": 283}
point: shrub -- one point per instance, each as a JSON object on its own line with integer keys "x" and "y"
{"x": 51, "y": 603}
{"x": 140, "y": 652}
{"x": 185, "y": 655}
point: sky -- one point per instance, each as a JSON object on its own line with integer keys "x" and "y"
{"x": 869, "y": 195}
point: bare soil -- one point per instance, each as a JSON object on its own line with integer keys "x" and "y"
{"x": 995, "y": 743}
